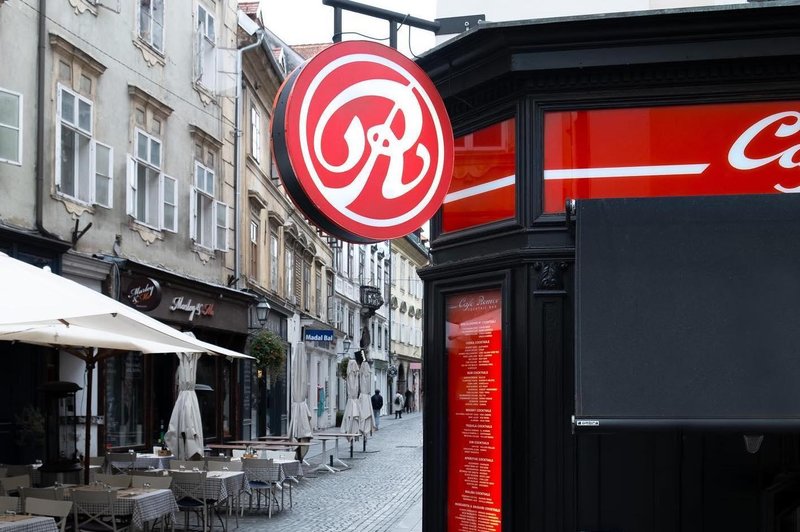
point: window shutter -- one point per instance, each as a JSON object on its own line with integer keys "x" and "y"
{"x": 102, "y": 174}
{"x": 57, "y": 158}
{"x": 131, "y": 189}
{"x": 198, "y": 54}
{"x": 169, "y": 204}
{"x": 221, "y": 233}
{"x": 193, "y": 215}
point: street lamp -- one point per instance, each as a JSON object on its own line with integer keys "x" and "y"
{"x": 262, "y": 311}
{"x": 346, "y": 343}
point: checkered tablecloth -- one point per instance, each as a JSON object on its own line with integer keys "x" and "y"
{"x": 145, "y": 461}
{"x": 28, "y": 524}
{"x": 143, "y": 504}
{"x": 291, "y": 468}
{"x": 220, "y": 485}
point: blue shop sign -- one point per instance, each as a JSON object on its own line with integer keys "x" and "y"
{"x": 318, "y": 335}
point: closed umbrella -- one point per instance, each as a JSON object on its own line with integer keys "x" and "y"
{"x": 367, "y": 421}
{"x": 352, "y": 413}
{"x": 184, "y": 435}
{"x": 300, "y": 422}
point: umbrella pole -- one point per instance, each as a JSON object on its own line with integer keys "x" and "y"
{"x": 88, "y": 426}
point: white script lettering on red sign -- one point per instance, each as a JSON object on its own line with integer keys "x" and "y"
{"x": 687, "y": 150}
{"x": 363, "y": 143}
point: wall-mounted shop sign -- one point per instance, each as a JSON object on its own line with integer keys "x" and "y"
{"x": 318, "y": 335}
{"x": 142, "y": 293}
{"x": 475, "y": 424}
{"x": 363, "y": 142}
{"x": 182, "y": 304}
{"x": 686, "y": 150}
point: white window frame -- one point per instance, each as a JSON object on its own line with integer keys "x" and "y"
{"x": 274, "y": 258}
{"x": 93, "y": 174}
{"x": 205, "y": 47}
{"x": 255, "y": 133}
{"x": 17, "y": 128}
{"x": 148, "y": 38}
{"x": 218, "y": 225}
{"x": 164, "y": 200}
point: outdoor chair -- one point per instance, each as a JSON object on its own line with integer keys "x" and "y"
{"x": 17, "y": 470}
{"x": 189, "y": 490}
{"x": 97, "y": 461}
{"x": 238, "y": 453}
{"x": 59, "y": 510}
{"x": 224, "y": 466}
{"x": 53, "y": 493}
{"x": 144, "y": 481}
{"x": 119, "y": 462}
{"x": 93, "y": 511}
{"x": 14, "y": 485}
{"x": 9, "y": 504}
{"x": 263, "y": 476}
{"x": 188, "y": 465}
{"x": 217, "y": 458}
{"x": 114, "y": 481}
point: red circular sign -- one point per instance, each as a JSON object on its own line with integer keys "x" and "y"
{"x": 363, "y": 142}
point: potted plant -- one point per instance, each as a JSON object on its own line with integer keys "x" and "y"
{"x": 269, "y": 351}
{"x": 342, "y": 370}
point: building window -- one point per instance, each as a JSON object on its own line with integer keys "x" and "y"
{"x": 350, "y": 251}
{"x": 152, "y": 195}
{"x": 386, "y": 288}
{"x": 209, "y": 217}
{"x": 288, "y": 271}
{"x": 254, "y": 233}
{"x": 379, "y": 278}
{"x": 329, "y": 297}
{"x": 255, "y": 133}
{"x": 351, "y": 322}
{"x": 318, "y": 291}
{"x": 84, "y": 169}
{"x": 151, "y": 23}
{"x": 10, "y": 127}
{"x": 205, "y": 48}
{"x": 273, "y": 261}
{"x": 306, "y": 286}
{"x": 124, "y": 398}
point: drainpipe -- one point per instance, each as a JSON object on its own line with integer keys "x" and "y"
{"x": 237, "y": 164}
{"x": 40, "y": 106}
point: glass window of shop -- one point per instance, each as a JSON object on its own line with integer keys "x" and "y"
{"x": 214, "y": 396}
{"x": 124, "y": 395}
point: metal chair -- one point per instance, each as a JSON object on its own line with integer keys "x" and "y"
{"x": 188, "y": 465}
{"x": 119, "y": 462}
{"x": 144, "y": 481}
{"x": 53, "y": 493}
{"x": 9, "y": 485}
{"x": 49, "y": 508}
{"x": 114, "y": 481}
{"x": 189, "y": 490}
{"x": 93, "y": 511}
{"x": 263, "y": 476}
{"x": 10, "y": 504}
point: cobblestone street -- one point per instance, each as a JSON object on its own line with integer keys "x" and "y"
{"x": 382, "y": 490}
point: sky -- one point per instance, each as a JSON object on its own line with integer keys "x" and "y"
{"x": 311, "y": 22}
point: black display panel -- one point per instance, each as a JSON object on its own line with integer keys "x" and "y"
{"x": 688, "y": 313}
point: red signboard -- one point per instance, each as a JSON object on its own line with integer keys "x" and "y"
{"x": 482, "y": 190}
{"x": 687, "y": 150}
{"x": 475, "y": 424}
{"x": 363, "y": 142}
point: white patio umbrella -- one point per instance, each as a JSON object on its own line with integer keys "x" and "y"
{"x": 367, "y": 421}
{"x": 300, "y": 421}
{"x": 184, "y": 435}
{"x": 352, "y": 412}
{"x": 82, "y": 322}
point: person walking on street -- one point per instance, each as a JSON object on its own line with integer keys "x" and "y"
{"x": 409, "y": 395}
{"x": 377, "y": 404}
{"x": 398, "y": 405}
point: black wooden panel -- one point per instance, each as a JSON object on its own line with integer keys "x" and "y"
{"x": 687, "y": 312}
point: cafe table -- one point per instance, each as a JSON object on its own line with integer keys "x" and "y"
{"x": 142, "y": 504}
{"x": 333, "y": 455}
{"x": 219, "y": 486}
{"x": 27, "y": 523}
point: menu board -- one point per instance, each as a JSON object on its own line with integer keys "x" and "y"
{"x": 475, "y": 421}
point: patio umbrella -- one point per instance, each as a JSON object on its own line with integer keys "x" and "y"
{"x": 352, "y": 412}
{"x": 82, "y": 322}
{"x": 300, "y": 422}
{"x": 367, "y": 421}
{"x": 184, "y": 435}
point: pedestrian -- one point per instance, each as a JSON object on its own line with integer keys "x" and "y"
{"x": 398, "y": 405}
{"x": 377, "y": 404}
{"x": 409, "y": 395}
